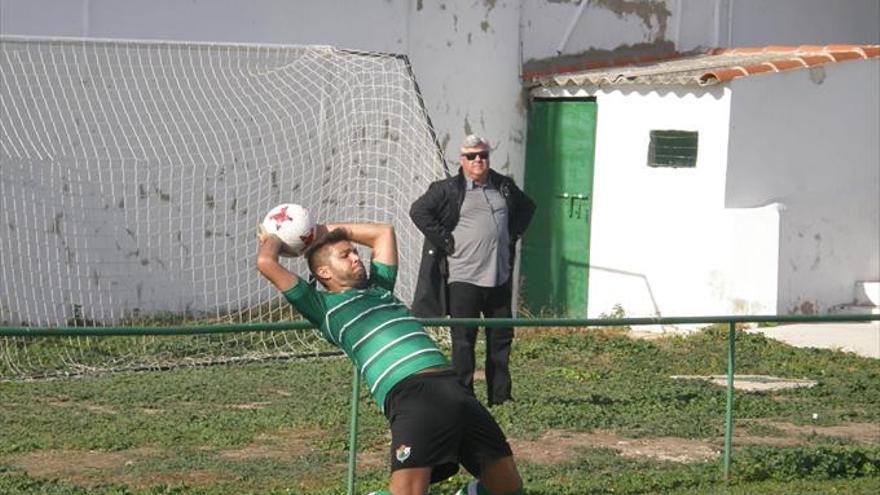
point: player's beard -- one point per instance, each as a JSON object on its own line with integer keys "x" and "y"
{"x": 359, "y": 277}
{"x": 351, "y": 277}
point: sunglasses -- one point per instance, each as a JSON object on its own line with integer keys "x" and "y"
{"x": 473, "y": 156}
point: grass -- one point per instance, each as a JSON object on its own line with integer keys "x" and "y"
{"x": 65, "y": 356}
{"x": 282, "y": 427}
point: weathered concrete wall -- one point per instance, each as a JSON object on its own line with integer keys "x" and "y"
{"x": 794, "y": 22}
{"x": 466, "y": 54}
{"x": 808, "y": 141}
{"x": 367, "y": 25}
{"x": 564, "y": 27}
{"x": 466, "y": 57}
{"x": 607, "y": 29}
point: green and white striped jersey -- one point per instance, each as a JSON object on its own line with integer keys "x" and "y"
{"x": 373, "y": 327}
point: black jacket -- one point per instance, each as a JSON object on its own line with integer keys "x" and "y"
{"x": 436, "y": 214}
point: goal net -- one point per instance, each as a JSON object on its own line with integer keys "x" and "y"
{"x": 133, "y": 174}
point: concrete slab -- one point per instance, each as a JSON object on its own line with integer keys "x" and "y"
{"x": 751, "y": 383}
{"x": 859, "y": 338}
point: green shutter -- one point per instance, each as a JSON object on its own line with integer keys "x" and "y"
{"x": 673, "y": 149}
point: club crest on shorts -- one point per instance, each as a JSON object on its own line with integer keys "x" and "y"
{"x": 403, "y": 453}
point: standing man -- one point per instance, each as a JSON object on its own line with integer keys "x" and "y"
{"x": 471, "y": 223}
{"x": 436, "y": 424}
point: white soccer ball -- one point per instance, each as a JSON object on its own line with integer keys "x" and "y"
{"x": 292, "y": 224}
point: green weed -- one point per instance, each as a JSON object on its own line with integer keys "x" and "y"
{"x": 282, "y": 427}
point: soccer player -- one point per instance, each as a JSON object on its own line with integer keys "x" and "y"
{"x": 436, "y": 423}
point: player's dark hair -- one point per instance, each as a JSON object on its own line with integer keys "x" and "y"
{"x": 314, "y": 253}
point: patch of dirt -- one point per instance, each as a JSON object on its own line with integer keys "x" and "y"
{"x": 558, "y": 446}
{"x": 290, "y": 444}
{"x": 860, "y": 432}
{"x": 553, "y": 447}
{"x": 799, "y": 434}
{"x": 76, "y": 465}
{"x": 373, "y": 459}
{"x": 190, "y": 478}
{"x": 368, "y": 459}
{"x": 376, "y": 455}
{"x": 285, "y": 444}
{"x": 87, "y": 468}
{"x": 84, "y": 405}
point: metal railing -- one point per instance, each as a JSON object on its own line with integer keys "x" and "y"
{"x": 730, "y": 320}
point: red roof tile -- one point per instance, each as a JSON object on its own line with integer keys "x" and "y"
{"x": 714, "y": 66}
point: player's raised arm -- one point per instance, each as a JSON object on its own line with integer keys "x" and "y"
{"x": 267, "y": 262}
{"x": 379, "y": 237}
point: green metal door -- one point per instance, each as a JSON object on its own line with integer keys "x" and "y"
{"x": 559, "y": 178}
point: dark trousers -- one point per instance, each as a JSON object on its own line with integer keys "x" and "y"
{"x": 471, "y": 301}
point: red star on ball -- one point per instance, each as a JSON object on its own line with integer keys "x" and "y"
{"x": 280, "y": 218}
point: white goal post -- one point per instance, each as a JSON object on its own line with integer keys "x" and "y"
{"x": 133, "y": 173}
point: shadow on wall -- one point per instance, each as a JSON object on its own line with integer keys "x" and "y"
{"x": 640, "y": 276}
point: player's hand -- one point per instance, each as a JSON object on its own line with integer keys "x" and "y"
{"x": 264, "y": 237}
{"x": 261, "y": 233}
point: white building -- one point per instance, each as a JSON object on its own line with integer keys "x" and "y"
{"x": 778, "y": 210}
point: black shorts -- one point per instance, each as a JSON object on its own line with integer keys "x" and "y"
{"x": 436, "y": 422}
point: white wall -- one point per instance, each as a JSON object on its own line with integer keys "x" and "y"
{"x": 796, "y": 22}
{"x": 466, "y": 57}
{"x": 662, "y": 240}
{"x": 809, "y": 140}
{"x": 465, "y": 54}
{"x": 671, "y": 225}
{"x": 366, "y": 24}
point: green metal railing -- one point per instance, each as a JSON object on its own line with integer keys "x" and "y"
{"x": 730, "y": 320}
